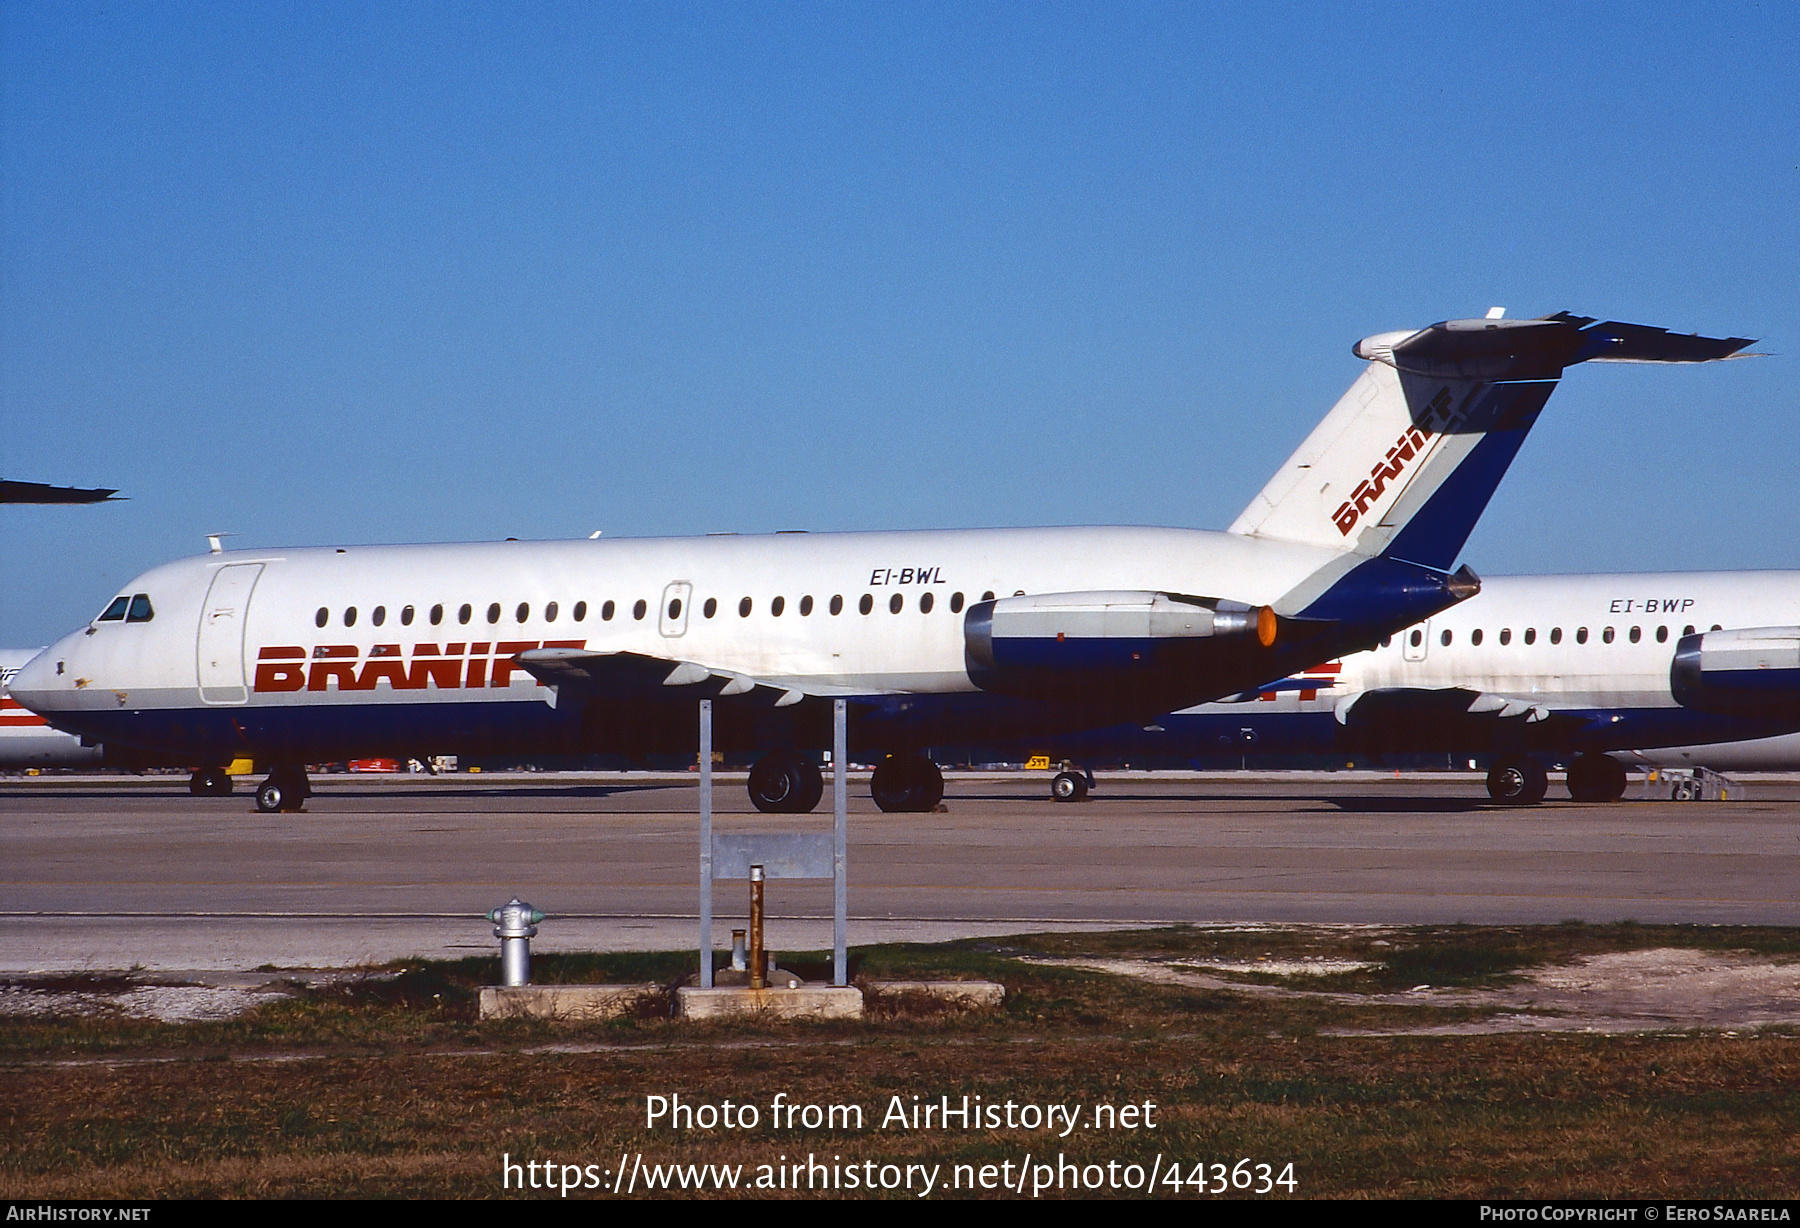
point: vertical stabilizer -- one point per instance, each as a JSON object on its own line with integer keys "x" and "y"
{"x": 1407, "y": 460}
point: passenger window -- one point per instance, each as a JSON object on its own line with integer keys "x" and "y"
{"x": 1581, "y": 635}
{"x": 837, "y": 605}
{"x": 1531, "y": 635}
{"x": 494, "y": 613}
{"x": 1505, "y": 636}
{"x": 777, "y": 606}
{"x": 1386, "y": 641}
{"x": 465, "y": 614}
{"x": 350, "y": 617}
{"x": 1662, "y": 635}
{"x": 956, "y": 603}
{"x": 1556, "y": 635}
{"x": 134, "y": 616}
{"x": 674, "y": 608}
{"x": 926, "y": 601}
{"x": 523, "y": 613}
{"x": 1637, "y": 633}
{"x": 866, "y": 604}
{"x": 550, "y": 612}
{"x": 744, "y": 607}
{"x": 711, "y": 607}
{"x": 639, "y": 608}
{"x": 379, "y": 615}
{"x": 1688, "y": 630}
{"x": 896, "y": 603}
{"x": 806, "y": 606}
{"x": 988, "y": 596}
{"x": 406, "y": 616}
{"x": 437, "y": 615}
{"x": 1444, "y": 639}
{"x": 319, "y": 619}
{"x": 606, "y": 612}
{"x": 581, "y": 611}
{"x": 116, "y": 611}
{"x": 1475, "y": 638}
{"x": 1417, "y": 638}
{"x": 1606, "y": 636}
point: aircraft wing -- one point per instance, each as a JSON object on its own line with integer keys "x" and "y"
{"x": 1425, "y": 717}
{"x": 40, "y": 492}
{"x": 576, "y": 674}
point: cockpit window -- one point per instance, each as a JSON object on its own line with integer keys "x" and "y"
{"x": 140, "y": 609}
{"x": 116, "y": 611}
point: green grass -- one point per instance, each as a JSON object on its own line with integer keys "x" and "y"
{"x": 388, "y": 1083}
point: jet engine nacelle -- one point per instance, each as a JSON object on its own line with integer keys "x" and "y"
{"x": 1749, "y": 671}
{"x": 1107, "y": 646}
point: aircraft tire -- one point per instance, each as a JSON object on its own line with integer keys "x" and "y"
{"x": 1517, "y": 782}
{"x": 210, "y": 782}
{"x": 907, "y": 784}
{"x": 1596, "y": 778}
{"x": 284, "y": 790}
{"x": 1069, "y": 787}
{"x": 785, "y": 783}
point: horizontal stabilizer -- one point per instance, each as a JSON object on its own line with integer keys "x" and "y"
{"x": 1408, "y": 459}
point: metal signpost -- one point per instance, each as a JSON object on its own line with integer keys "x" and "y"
{"x": 779, "y": 854}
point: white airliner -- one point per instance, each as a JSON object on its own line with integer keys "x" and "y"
{"x": 1680, "y": 669}
{"x": 297, "y": 656}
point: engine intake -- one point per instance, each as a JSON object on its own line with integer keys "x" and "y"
{"x": 1750, "y": 671}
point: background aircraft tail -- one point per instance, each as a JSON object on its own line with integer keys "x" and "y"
{"x": 1407, "y": 460}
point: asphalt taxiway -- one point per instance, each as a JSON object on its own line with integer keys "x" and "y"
{"x": 116, "y": 872}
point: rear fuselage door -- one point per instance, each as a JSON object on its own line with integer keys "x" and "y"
{"x": 221, "y": 638}
{"x": 675, "y": 601}
{"x": 1417, "y": 640}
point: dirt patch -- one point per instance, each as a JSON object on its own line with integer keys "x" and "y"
{"x": 1663, "y": 989}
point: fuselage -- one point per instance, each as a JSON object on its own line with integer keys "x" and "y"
{"x": 322, "y": 652}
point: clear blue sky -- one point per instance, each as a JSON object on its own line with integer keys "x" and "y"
{"x": 321, "y": 273}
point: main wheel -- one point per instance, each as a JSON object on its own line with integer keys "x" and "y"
{"x": 1596, "y": 778}
{"x": 907, "y": 784}
{"x": 285, "y": 789}
{"x": 1517, "y": 782}
{"x": 1069, "y": 787}
{"x": 784, "y": 783}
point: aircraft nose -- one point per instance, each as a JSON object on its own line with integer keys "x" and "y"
{"x": 36, "y": 683}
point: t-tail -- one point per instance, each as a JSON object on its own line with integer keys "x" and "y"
{"x": 1407, "y": 460}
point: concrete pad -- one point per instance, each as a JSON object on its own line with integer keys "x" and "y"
{"x": 805, "y": 1002}
{"x": 969, "y": 995}
{"x": 564, "y": 1002}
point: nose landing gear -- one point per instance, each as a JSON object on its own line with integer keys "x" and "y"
{"x": 210, "y": 782}
{"x": 286, "y": 789}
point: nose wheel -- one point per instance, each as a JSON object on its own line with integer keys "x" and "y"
{"x": 286, "y": 789}
{"x": 210, "y": 782}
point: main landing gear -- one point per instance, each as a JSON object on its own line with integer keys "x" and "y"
{"x": 1596, "y": 778}
{"x": 907, "y": 784}
{"x": 210, "y": 782}
{"x": 1519, "y": 781}
{"x": 287, "y": 788}
{"x": 785, "y": 783}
